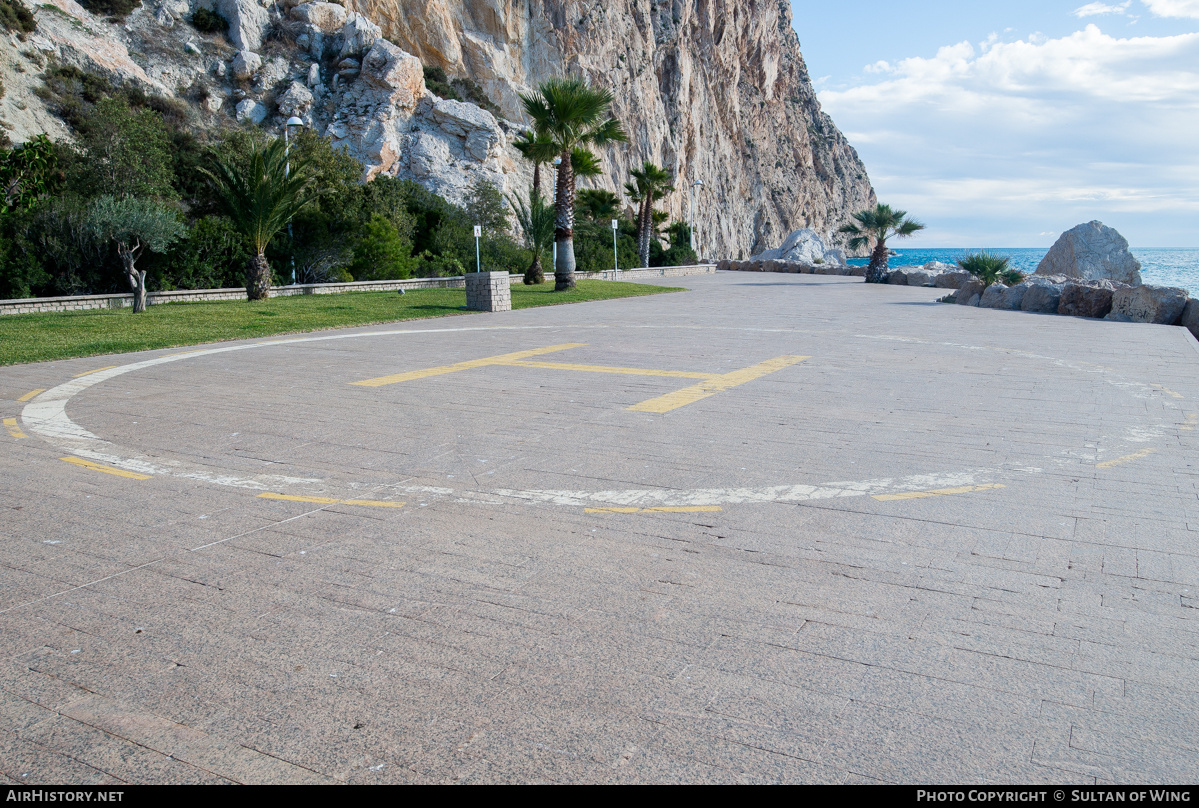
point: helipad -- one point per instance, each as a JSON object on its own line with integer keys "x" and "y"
{"x": 784, "y": 528}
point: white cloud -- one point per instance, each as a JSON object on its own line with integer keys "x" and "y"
{"x": 1047, "y": 132}
{"x": 1095, "y": 9}
{"x": 1174, "y": 8}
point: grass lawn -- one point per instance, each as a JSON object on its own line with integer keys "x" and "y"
{"x": 64, "y": 335}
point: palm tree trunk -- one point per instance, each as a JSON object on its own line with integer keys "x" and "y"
{"x": 258, "y": 278}
{"x": 877, "y": 271}
{"x": 646, "y": 228}
{"x": 537, "y": 177}
{"x": 564, "y": 226}
{"x": 535, "y": 274}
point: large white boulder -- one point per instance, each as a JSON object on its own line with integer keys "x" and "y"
{"x": 805, "y": 246}
{"x": 327, "y": 17}
{"x": 375, "y": 110}
{"x": 1092, "y": 251}
{"x": 358, "y": 36}
{"x": 476, "y": 127}
{"x": 245, "y": 64}
{"x": 296, "y": 100}
{"x": 250, "y": 111}
{"x": 248, "y": 21}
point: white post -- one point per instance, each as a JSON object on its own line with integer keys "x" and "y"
{"x": 478, "y": 232}
{"x": 615, "y": 258}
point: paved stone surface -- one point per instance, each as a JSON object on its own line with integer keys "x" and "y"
{"x": 949, "y": 545}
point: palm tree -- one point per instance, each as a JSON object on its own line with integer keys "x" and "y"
{"x": 878, "y": 223}
{"x": 572, "y": 115}
{"x": 261, "y": 196}
{"x": 649, "y": 183}
{"x": 536, "y": 220}
{"x": 537, "y": 149}
{"x": 990, "y": 268}
{"x": 598, "y": 205}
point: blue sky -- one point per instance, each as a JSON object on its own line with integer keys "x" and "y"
{"x": 1003, "y": 124}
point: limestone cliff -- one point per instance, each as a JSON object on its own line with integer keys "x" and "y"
{"x": 714, "y": 90}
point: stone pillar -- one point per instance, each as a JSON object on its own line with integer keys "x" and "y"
{"x": 488, "y": 291}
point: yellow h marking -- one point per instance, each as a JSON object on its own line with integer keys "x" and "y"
{"x": 1107, "y": 464}
{"x": 31, "y": 394}
{"x": 715, "y": 384}
{"x": 677, "y": 374}
{"x": 657, "y": 509}
{"x": 502, "y": 359}
{"x": 711, "y": 384}
{"x": 939, "y": 492}
{"x": 374, "y": 503}
{"x": 87, "y": 464}
{"x": 11, "y": 425}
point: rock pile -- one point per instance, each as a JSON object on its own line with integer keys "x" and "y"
{"x": 805, "y": 246}
{"x": 1039, "y": 294}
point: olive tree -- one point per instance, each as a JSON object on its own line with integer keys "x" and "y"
{"x": 134, "y": 225}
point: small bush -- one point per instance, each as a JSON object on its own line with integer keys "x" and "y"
{"x": 211, "y": 255}
{"x": 16, "y": 18}
{"x": 990, "y": 268}
{"x": 113, "y": 9}
{"x": 209, "y": 22}
{"x": 438, "y": 83}
{"x": 438, "y": 266}
{"x": 381, "y": 253}
{"x": 474, "y": 94}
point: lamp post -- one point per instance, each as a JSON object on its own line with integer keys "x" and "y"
{"x": 292, "y": 121}
{"x": 557, "y": 162}
{"x": 615, "y": 257}
{"x": 694, "y": 185}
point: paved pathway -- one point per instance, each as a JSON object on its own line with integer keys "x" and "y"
{"x": 778, "y": 528}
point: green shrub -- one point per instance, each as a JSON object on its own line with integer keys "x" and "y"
{"x": 381, "y": 253}
{"x": 16, "y": 18}
{"x": 211, "y": 255}
{"x": 114, "y": 9}
{"x": 438, "y": 83}
{"x": 457, "y": 89}
{"x": 209, "y": 22}
{"x": 124, "y": 151}
{"x": 21, "y": 271}
{"x": 679, "y": 253}
{"x": 438, "y": 266}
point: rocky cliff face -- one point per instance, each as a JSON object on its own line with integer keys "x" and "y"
{"x": 714, "y": 90}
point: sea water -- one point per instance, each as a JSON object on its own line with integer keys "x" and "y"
{"x": 1161, "y": 267}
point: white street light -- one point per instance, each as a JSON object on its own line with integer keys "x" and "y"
{"x": 694, "y": 185}
{"x": 292, "y": 121}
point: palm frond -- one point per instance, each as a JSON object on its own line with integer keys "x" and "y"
{"x": 585, "y": 163}
{"x": 262, "y": 195}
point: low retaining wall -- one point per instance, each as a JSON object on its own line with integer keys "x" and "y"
{"x": 794, "y": 267}
{"x": 36, "y": 305}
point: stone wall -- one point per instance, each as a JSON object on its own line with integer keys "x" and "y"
{"x": 37, "y": 305}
